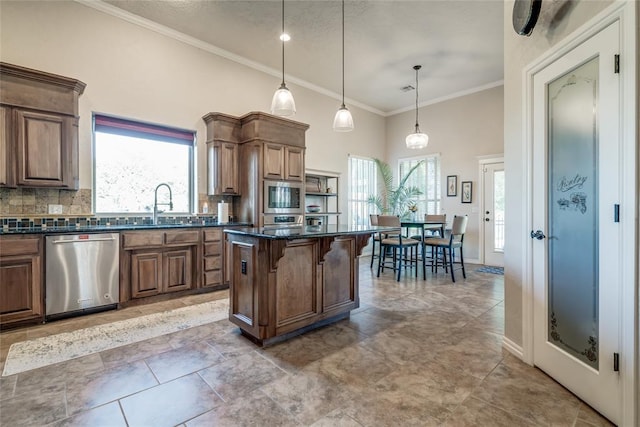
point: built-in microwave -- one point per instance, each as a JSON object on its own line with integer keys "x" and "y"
{"x": 281, "y": 197}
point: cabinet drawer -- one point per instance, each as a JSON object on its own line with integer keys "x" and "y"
{"x": 212, "y": 277}
{"x": 212, "y": 235}
{"x": 213, "y": 248}
{"x": 11, "y": 247}
{"x": 212, "y": 263}
{"x": 142, "y": 240}
{"x": 179, "y": 237}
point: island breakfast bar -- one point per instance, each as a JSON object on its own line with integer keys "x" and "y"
{"x": 286, "y": 281}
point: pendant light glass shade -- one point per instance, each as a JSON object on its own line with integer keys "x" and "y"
{"x": 343, "y": 122}
{"x": 282, "y": 103}
{"x": 418, "y": 139}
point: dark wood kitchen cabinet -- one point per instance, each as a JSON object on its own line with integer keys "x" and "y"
{"x": 222, "y": 155}
{"x": 157, "y": 262}
{"x": 21, "y": 286}
{"x": 282, "y": 162}
{"x": 39, "y": 135}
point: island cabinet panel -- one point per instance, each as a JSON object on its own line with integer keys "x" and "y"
{"x": 21, "y": 284}
{"x": 244, "y": 299}
{"x": 339, "y": 276}
{"x": 297, "y": 297}
{"x": 282, "y": 287}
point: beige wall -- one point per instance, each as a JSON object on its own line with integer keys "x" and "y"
{"x": 460, "y": 130}
{"x": 558, "y": 19}
{"x": 137, "y": 73}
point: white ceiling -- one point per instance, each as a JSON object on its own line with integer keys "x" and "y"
{"x": 458, "y": 43}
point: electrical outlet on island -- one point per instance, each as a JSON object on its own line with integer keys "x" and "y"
{"x": 55, "y": 209}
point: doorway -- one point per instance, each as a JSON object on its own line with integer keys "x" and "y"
{"x": 577, "y": 232}
{"x": 493, "y": 213}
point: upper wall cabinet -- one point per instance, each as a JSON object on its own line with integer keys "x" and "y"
{"x": 38, "y": 128}
{"x": 222, "y": 154}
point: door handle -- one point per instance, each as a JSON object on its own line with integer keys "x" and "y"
{"x": 538, "y": 234}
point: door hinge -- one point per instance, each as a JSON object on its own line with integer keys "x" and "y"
{"x": 616, "y": 362}
{"x": 616, "y": 63}
{"x": 616, "y": 213}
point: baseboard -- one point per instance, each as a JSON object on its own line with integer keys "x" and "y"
{"x": 471, "y": 261}
{"x": 512, "y": 348}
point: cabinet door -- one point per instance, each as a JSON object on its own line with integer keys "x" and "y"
{"x": 294, "y": 164}
{"x": 223, "y": 168}
{"x": 274, "y": 161}
{"x": 229, "y": 168}
{"x": 146, "y": 274}
{"x": 20, "y": 288}
{"x": 6, "y": 177}
{"x": 177, "y": 270}
{"x": 42, "y": 151}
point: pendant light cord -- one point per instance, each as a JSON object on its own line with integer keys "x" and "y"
{"x": 282, "y": 36}
{"x": 417, "y": 67}
{"x": 343, "y": 106}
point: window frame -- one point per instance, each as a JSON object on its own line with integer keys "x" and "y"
{"x": 370, "y": 209}
{"x": 192, "y": 167}
{"x": 423, "y": 200}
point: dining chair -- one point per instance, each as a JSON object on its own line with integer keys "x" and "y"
{"x": 432, "y": 233}
{"x": 447, "y": 245}
{"x": 404, "y": 249}
{"x": 373, "y": 220}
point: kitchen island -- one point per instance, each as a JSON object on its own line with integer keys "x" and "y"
{"x": 286, "y": 281}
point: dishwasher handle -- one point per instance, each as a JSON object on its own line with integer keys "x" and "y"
{"x": 102, "y": 239}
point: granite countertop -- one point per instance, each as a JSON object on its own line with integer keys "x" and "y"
{"x": 112, "y": 228}
{"x": 308, "y": 231}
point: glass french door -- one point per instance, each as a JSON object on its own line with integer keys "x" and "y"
{"x": 576, "y": 247}
{"x": 494, "y": 214}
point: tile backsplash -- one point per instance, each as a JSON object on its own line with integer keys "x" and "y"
{"x": 34, "y": 202}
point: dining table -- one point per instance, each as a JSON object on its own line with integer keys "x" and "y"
{"x": 423, "y": 226}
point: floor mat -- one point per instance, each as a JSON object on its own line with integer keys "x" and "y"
{"x": 492, "y": 270}
{"x": 39, "y": 352}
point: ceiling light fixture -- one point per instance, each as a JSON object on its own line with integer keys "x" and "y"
{"x": 418, "y": 139}
{"x": 282, "y": 103}
{"x": 343, "y": 122}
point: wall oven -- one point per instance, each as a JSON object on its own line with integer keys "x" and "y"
{"x": 281, "y": 197}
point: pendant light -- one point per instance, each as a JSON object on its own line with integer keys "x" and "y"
{"x": 418, "y": 139}
{"x": 343, "y": 122}
{"x": 282, "y": 103}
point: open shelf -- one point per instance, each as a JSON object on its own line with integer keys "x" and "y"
{"x": 321, "y": 188}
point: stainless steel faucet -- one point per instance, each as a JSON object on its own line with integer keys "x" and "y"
{"x": 155, "y": 202}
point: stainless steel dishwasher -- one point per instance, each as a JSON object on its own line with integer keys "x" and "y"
{"x": 82, "y": 273}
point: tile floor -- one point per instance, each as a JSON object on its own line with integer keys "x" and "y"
{"x": 415, "y": 353}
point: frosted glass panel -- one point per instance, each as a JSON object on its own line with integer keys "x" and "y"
{"x": 573, "y": 216}
{"x": 498, "y": 211}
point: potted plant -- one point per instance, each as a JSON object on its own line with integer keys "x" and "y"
{"x": 392, "y": 200}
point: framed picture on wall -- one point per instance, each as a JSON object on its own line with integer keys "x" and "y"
{"x": 466, "y": 190}
{"x": 452, "y": 185}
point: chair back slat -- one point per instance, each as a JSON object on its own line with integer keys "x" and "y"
{"x": 459, "y": 226}
{"x": 388, "y": 221}
{"x": 373, "y": 218}
{"x": 435, "y": 218}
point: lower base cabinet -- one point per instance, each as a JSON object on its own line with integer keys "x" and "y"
{"x": 21, "y": 299}
{"x": 158, "y": 262}
{"x": 157, "y": 272}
